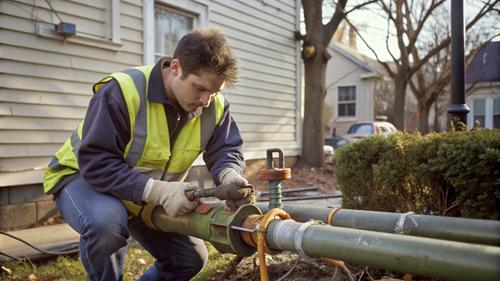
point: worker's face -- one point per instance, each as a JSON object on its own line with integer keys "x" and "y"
{"x": 195, "y": 90}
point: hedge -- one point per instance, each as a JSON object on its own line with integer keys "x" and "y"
{"x": 453, "y": 173}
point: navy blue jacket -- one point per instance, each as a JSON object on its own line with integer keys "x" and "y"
{"x": 106, "y": 132}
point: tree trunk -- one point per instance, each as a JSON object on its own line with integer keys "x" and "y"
{"x": 314, "y": 100}
{"x": 437, "y": 127}
{"x": 400, "y": 84}
{"x": 423, "y": 118}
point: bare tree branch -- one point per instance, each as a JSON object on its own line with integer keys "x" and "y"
{"x": 414, "y": 88}
{"x": 388, "y": 10}
{"x": 384, "y": 64}
{"x": 334, "y": 22}
{"x": 398, "y": 24}
{"x": 429, "y": 55}
{"x": 484, "y": 10}
{"x": 360, "y": 6}
{"x": 421, "y": 22}
{"x": 387, "y": 35}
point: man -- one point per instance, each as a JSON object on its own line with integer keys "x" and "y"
{"x": 143, "y": 129}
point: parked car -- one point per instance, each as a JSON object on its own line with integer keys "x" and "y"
{"x": 358, "y": 131}
{"x": 361, "y": 130}
{"x": 335, "y": 141}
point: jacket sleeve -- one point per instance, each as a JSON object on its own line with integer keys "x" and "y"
{"x": 225, "y": 148}
{"x": 106, "y": 132}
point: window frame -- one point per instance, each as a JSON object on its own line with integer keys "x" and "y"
{"x": 174, "y": 11}
{"x": 199, "y": 11}
{"x": 495, "y": 114}
{"x": 346, "y": 102}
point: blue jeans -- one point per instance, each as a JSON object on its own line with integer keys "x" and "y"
{"x": 104, "y": 228}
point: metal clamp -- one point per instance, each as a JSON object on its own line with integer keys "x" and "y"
{"x": 400, "y": 224}
{"x": 298, "y": 238}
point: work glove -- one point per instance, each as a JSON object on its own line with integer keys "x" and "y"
{"x": 239, "y": 192}
{"x": 169, "y": 195}
{"x": 229, "y": 176}
{"x": 233, "y": 205}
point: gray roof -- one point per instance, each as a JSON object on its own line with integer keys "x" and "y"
{"x": 366, "y": 63}
{"x": 485, "y": 65}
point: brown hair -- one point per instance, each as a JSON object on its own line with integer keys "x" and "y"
{"x": 206, "y": 49}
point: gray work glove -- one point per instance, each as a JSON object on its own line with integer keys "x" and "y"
{"x": 231, "y": 176}
{"x": 169, "y": 195}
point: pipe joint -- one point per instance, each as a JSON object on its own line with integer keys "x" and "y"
{"x": 299, "y": 236}
{"x": 401, "y": 227}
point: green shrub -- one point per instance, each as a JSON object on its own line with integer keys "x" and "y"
{"x": 454, "y": 173}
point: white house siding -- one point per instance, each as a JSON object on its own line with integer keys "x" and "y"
{"x": 264, "y": 103}
{"x": 45, "y": 83}
{"x": 342, "y": 71}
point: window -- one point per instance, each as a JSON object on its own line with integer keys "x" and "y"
{"x": 384, "y": 130}
{"x": 166, "y": 21}
{"x": 347, "y": 101}
{"x": 365, "y": 129}
{"x": 496, "y": 113}
{"x": 479, "y": 109}
{"x": 170, "y": 26}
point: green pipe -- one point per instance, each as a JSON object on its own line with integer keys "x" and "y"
{"x": 407, "y": 254}
{"x": 229, "y": 232}
{"x": 448, "y": 228}
{"x": 214, "y": 226}
{"x": 275, "y": 197}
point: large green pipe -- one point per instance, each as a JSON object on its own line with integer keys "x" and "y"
{"x": 408, "y": 254}
{"x": 229, "y": 232}
{"x": 208, "y": 222}
{"x": 448, "y": 228}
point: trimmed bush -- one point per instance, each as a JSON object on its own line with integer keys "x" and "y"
{"x": 453, "y": 173}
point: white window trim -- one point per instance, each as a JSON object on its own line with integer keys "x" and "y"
{"x": 112, "y": 43}
{"x": 346, "y": 119}
{"x": 115, "y": 22}
{"x": 488, "y": 113}
{"x": 200, "y": 10}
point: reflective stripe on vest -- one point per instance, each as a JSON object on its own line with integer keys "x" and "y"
{"x": 140, "y": 129}
{"x": 148, "y": 150}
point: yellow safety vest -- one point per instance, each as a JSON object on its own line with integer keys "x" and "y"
{"x": 148, "y": 150}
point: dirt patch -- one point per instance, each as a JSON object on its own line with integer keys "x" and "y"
{"x": 278, "y": 266}
{"x": 289, "y": 266}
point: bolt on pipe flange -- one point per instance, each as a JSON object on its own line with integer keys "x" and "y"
{"x": 274, "y": 176}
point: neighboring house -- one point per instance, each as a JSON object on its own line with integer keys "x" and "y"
{"x": 483, "y": 75}
{"x": 350, "y": 84}
{"x": 46, "y": 78}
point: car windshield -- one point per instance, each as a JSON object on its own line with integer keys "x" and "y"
{"x": 361, "y": 129}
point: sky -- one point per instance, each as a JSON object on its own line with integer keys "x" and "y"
{"x": 373, "y": 27}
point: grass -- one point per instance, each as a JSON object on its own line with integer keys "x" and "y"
{"x": 70, "y": 268}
